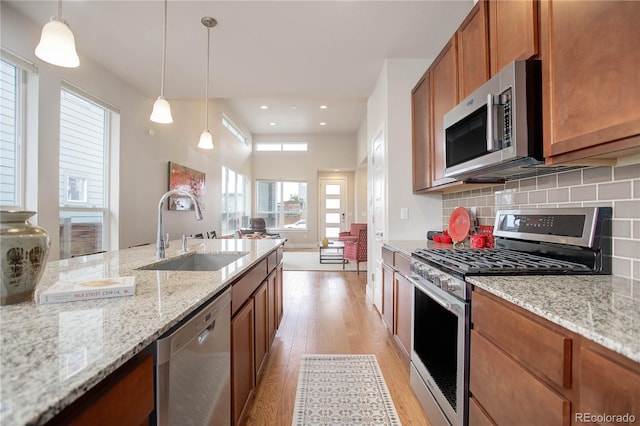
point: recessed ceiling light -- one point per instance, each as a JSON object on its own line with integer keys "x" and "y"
{"x": 273, "y": 123}
{"x": 323, "y": 124}
{"x": 264, "y": 107}
{"x": 323, "y": 107}
{"x": 293, "y": 107}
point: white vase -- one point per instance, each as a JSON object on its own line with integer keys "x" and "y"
{"x": 23, "y": 255}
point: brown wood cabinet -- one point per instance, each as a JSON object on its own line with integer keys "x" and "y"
{"x": 591, "y": 63}
{"x": 125, "y": 397}
{"x": 444, "y": 96}
{"x": 403, "y": 304}
{"x": 261, "y": 328}
{"x": 257, "y": 309}
{"x": 513, "y": 31}
{"x": 397, "y": 296}
{"x": 421, "y": 127}
{"x": 473, "y": 49}
{"x": 387, "y": 295}
{"x": 242, "y": 361}
{"x": 547, "y": 374}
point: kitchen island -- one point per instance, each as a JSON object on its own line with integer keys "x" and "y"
{"x": 52, "y": 354}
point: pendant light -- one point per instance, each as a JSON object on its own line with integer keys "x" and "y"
{"x": 206, "y": 140}
{"x": 57, "y": 45}
{"x": 161, "y": 109}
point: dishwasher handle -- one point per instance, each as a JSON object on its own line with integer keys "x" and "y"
{"x": 206, "y": 333}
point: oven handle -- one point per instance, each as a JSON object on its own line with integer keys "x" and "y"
{"x": 435, "y": 296}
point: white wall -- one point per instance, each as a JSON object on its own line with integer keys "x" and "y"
{"x": 326, "y": 152}
{"x": 143, "y": 158}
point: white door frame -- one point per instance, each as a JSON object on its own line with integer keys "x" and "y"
{"x": 344, "y": 203}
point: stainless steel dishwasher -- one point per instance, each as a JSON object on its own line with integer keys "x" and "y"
{"x": 193, "y": 368}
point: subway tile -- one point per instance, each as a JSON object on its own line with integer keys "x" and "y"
{"x": 497, "y": 188}
{"x": 603, "y": 203}
{"x": 476, "y": 192}
{"x": 571, "y": 205}
{"x": 583, "y": 193}
{"x": 466, "y": 194}
{"x": 521, "y": 198}
{"x": 597, "y": 174}
{"x": 631, "y": 171}
{"x": 548, "y": 181}
{"x": 481, "y": 201}
{"x": 514, "y": 184}
{"x": 627, "y": 209}
{"x": 636, "y": 229}
{"x": 558, "y": 195}
{"x": 487, "y": 190}
{"x": 626, "y": 248}
{"x": 636, "y": 189}
{"x": 621, "y": 228}
{"x": 528, "y": 184}
{"x": 621, "y": 267}
{"x": 614, "y": 191}
{"x": 572, "y": 178}
{"x": 538, "y": 197}
{"x": 636, "y": 270}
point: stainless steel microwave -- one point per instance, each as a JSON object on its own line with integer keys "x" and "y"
{"x": 496, "y": 132}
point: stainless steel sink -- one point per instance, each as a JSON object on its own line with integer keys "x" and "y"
{"x": 197, "y": 261}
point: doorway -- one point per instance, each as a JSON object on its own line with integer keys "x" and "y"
{"x": 333, "y": 207}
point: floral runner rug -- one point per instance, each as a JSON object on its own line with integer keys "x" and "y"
{"x": 342, "y": 390}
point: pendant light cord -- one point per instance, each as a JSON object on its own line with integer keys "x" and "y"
{"x": 60, "y": 9}
{"x": 164, "y": 47}
{"x": 206, "y": 88}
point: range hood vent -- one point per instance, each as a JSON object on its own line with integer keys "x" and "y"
{"x": 513, "y": 170}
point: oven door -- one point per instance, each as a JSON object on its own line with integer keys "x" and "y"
{"x": 439, "y": 356}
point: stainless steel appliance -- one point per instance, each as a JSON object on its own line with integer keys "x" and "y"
{"x": 193, "y": 368}
{"x": 536, "y": 241}
{"x": 496, "y": 132}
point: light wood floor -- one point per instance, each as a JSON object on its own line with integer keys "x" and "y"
{"x": 327, "y": 312}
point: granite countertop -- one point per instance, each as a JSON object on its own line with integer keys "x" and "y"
{"x": 51, "y": 354}
{"x": 602, "y": 308}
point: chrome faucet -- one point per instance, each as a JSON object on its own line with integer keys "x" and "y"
{"x": 160, "y": 243}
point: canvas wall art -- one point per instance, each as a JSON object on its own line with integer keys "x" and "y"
{"x": 182, "y": 177}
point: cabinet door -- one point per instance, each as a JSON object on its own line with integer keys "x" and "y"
{"x": 420, "y": 134}
{"x": 591, "y": 68}
{"x": 279, "y": 295}
{"x": 608, "y": 386}
{"x": 272, "y": 304}
{"x": 444, "y": 96}
{"x": 387, "y": 295}
{"x": 473, "y": 50}
{"x": 242, "y": 360}
{"x": 404, "y": 302}
{"x": 513, "y": 27}
{"x": 261, "y": 327}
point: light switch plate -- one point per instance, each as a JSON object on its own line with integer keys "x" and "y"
{"x": 404, "y": 213}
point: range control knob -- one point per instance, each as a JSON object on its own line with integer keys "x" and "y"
{"x": 453, "y": 286}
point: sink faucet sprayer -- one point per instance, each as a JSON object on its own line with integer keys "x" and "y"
{"x": 160, "y": 240}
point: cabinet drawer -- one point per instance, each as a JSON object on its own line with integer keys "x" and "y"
{"x": 542, "y": 350}
{"x": 387, "y": 255}
{"x": 403, "y": 264}
{"x": 607, "y": 386}
{"x": 245, "y": 286}
{"x": 510, "y": 394}
{"x": 477, "y": 415}
{"x": 272, "y": 261}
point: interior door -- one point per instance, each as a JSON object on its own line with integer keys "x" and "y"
{"x": 333, "y": 207}
{"x": 378, "y": 219}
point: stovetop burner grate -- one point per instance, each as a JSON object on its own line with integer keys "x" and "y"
{"x": 498, "y": 261}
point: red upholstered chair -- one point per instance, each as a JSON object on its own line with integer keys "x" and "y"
{"x": 352, "y": 234}
{"x": 357, "y": 250}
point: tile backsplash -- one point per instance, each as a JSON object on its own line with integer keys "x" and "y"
{"x": 617, "y": 187}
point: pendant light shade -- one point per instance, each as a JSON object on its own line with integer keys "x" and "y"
{"x": 57, "y": 45}
{"x": 206, "y": 140}
{"x": 161, "y": 109}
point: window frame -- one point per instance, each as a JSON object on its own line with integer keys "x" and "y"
{"x": 80, "y": 206}
{"x": 241, "y": 181}
{"x": 281, "y": 213}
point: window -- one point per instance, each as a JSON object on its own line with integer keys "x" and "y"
{"x": 234, "y": 130}
{"x": 11, "y": 129}
{"x": 287, "y": 146}
{"x": 283, "y": 205}
{"x": 233, "y": 201}
{"x": 85, "y": 130}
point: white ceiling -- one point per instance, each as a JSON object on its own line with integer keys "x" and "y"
{"x": 276, "y": 53}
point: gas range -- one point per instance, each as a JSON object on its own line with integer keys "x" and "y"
{"x": 528, "y": 242}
